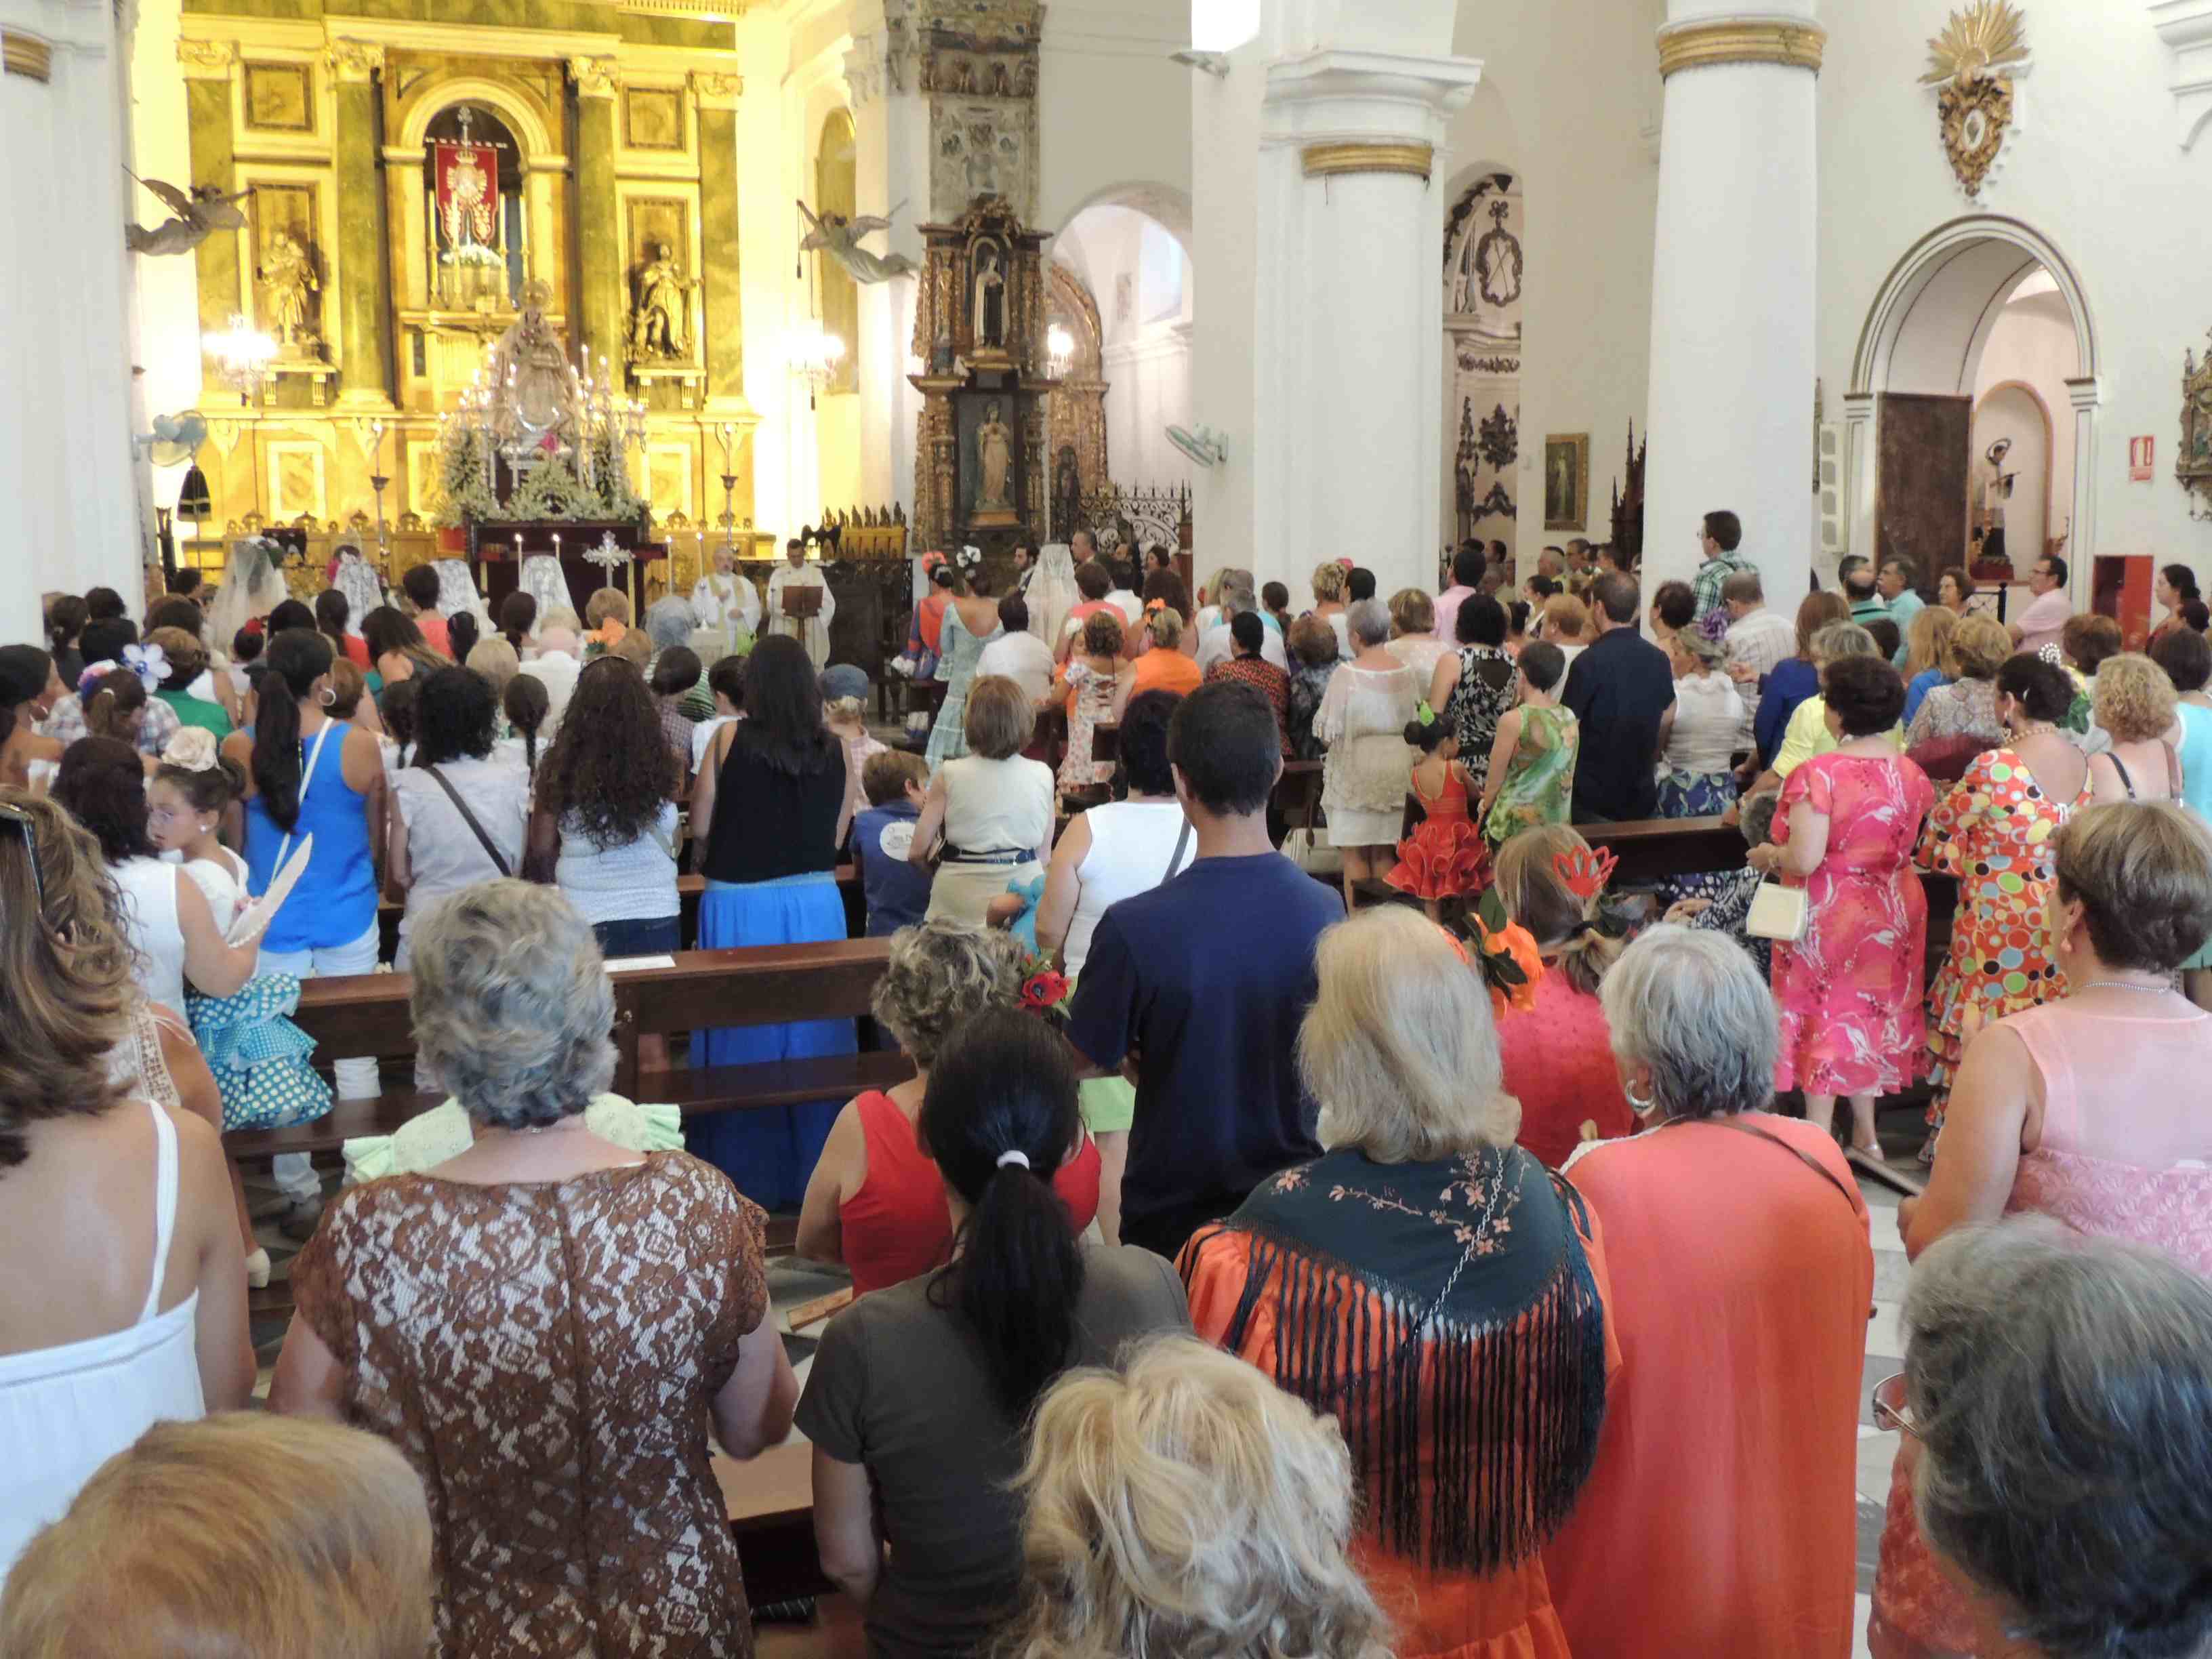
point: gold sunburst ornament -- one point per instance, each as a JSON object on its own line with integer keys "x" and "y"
{"x": 1967, "y": 62}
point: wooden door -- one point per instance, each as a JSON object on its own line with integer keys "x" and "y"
{"x": 1920, "y": 481}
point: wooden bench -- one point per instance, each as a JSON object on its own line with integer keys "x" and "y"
{"x": 768, "y": 985}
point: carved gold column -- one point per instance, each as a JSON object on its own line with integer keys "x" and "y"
{"x": 1732, "y": 342}
{"x": 363, "y": 318}
{"x": 601, "y": 307}
{"x": 209, "y": 68}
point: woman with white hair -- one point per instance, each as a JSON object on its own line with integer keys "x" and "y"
{"x": 1430, "y": 1284}
{"x": 2052, "y": 1406}
{"x": 1363, "y": 719}
{"x": 1700, "y": 731}
{"x": 1184, "y": 1505}
{"x": 555, "y": 1401}
{"x": 1742, "y": 1276}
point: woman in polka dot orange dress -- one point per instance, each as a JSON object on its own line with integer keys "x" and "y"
{"x": 1993, "y": 832}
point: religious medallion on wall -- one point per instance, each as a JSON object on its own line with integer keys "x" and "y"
{"x": 1968, "y": 63}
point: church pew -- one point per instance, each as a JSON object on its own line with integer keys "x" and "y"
{"x": 368, "y": 1014}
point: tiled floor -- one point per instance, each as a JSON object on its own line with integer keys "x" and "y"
{"x": 1877, "y": 1448}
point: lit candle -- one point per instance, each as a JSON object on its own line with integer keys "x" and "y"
{"x": 517, "y": 547}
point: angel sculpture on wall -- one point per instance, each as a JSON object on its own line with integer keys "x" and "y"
{"x": 199, "y": 214}
{"x": 835, "y": 234}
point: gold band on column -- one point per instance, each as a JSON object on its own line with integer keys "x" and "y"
{"x": 27, "y": 55}
{"x": 1322, "y": 161}
{"x": 1702, "y": 45}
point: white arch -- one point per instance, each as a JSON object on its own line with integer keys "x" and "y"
{"x": 1167, "y": 203}
{"x": 1925, "y": 332}
{"x": 433, "y": 101}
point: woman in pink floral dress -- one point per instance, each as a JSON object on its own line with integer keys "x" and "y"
{"x": 1849, "y": 993}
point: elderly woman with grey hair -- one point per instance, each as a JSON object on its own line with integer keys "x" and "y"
{"x": 1363, "y": 719}
{"x": 547, "y": 1325}
{"x": 2054, "y": 1400}
{"x": 671, "y": 622}
{"x": 1741, "y": 1281}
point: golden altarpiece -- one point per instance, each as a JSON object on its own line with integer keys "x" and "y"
{"x": 980, "y": 325}
{"x": 410, "y": 179}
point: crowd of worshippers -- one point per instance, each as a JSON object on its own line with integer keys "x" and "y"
{"x": 1387, "y": 1236}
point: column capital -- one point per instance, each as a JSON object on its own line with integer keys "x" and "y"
{"x": 206, "y": 60}
{"x": 716, "y": 89}
{"x": 356, "y": 61}
{"x": 25, "y": 55}
{"x": 2086, "y": 393}
{"x": 1327, "y": 161}
{"x": 595, "y": 77}
{"x": 1330, "y": 98}
{"x": 1707, "y": 42}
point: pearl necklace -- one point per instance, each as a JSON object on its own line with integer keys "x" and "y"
{"x": 2126, "y": 985}
{"x": 2035, "y": 729}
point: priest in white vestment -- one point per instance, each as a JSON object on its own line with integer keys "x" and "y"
{"x": 812, "y": 632}
{"x": 727, "y": 603}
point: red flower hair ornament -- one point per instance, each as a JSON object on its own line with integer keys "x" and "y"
{"x": 1585, "y": 872}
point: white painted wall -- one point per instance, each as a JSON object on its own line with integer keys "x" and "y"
{"x": 166, "y": 344}
{"x": 1136, "y": 269}
{"x": 2009, "y": 413}
{"x": 2093, "y": 164}
{"x": 69, "y": 512}
{"x": 1113, "y": 112}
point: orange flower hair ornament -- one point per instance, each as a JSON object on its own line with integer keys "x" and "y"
{"x": 1585, "y": 872}
{"x": 1505, "y": 955}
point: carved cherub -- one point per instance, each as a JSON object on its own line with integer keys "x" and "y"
{"x": 199, "y": 215}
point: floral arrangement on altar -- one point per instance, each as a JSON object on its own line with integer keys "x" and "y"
{"x": 549, "y": 492}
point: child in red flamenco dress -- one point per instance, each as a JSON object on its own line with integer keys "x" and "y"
{"x": 1445, "y": 857}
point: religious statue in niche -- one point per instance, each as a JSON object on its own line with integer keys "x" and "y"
{"x": 535, "y": 392}
{"x": 840, "y": 238}
{"x": 990, "y": 300}
{"x": 1993, "y": 485}
{"x": 1066, "y": 493}
{"x": 994, "y": 462}
{"x": 2193, "y": 462}
{"x": 1975, "y": 102}
{"x": 661, "y": 322}
{"x": 289, "y": 286}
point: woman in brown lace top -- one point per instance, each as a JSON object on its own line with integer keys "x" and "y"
{"x": 548, "y": 1325}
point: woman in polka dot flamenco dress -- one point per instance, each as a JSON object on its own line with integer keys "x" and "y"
{"x": 1993, "y": 832}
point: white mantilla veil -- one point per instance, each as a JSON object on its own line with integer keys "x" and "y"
{"x": 251, "y": 587}
{"x": 1052, "y": 592}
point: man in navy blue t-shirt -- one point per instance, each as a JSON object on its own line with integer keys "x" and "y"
{"x": 1205, "y": 981}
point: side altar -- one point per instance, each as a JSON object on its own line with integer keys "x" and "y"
{"x": 980, "y": 325}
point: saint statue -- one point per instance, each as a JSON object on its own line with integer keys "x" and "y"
{"x": 990, "y": 302}
{"x": 795, "y": 574}
{"x": 286, "y": 282}
{"x": 535, "y": 393}
{"x": 727, "y": 602}
{"x": 661, "y": 325}
{"x": 995, "y": 454}
{"x": 1067, "y": 493}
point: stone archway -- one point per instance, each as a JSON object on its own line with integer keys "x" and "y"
{"x": 1923, "y": 338}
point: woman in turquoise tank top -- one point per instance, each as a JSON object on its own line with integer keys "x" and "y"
{"x": 2187, "y": 656}
{"x": 310, "y": 775}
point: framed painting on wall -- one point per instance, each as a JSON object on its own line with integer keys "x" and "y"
{"x": 653, "y": 118}
{"x": 295, "y": 480}
{"x": 279, "y": 97}
{"x": 1566, "y": 481}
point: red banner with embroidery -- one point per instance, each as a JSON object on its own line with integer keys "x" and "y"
{"x": 467, "y": 180}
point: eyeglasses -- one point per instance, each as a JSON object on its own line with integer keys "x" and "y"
{"x": 16, "y": 818}
{"x": 1890, "y": 1411}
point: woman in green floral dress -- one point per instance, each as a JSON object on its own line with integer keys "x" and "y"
{"x": 1532, "y": 763}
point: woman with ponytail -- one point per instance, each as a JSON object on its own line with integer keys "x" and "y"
{"x": 918, "y": 1397}
{"x": 1557, "y": 1053}
{"x": 309, "y": 774}
{"x": 334, "y": 611}
{"x": 525, "y": 703}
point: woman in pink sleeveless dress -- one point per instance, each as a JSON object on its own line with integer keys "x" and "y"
{"x": 2076, "y": 1109}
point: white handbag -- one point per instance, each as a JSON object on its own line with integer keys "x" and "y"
{"x": 1778, "y": 912}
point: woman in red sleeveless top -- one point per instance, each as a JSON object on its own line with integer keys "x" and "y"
{"x": 876, "y": 1202}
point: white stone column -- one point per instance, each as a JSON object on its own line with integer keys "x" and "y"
{"x": 1344, "y": 451}
{"x": 69, "y": 516}
{"x": 891, "y": 137}
{"x": 1733, "y": 290}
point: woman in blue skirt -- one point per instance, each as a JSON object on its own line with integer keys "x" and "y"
{"x": 772, "y": 793}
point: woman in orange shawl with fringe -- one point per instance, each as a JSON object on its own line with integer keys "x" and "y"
{"x": 1432, "y": 1284}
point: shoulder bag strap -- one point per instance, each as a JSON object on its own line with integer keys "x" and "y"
{"x": 498, "y": 861}
{"x": 1797, "y": 1152}
{"x": 307, "y": 777}
{"x": 1174, "y": 858}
